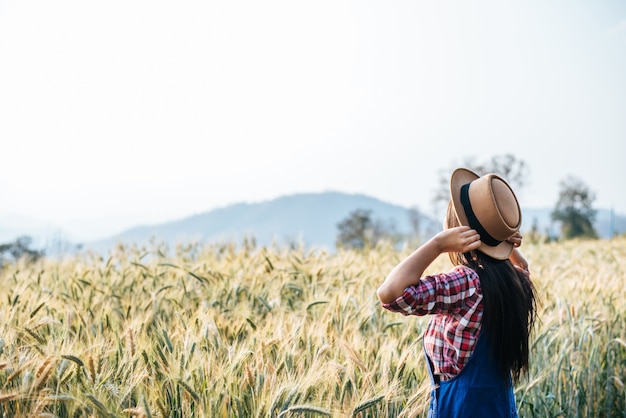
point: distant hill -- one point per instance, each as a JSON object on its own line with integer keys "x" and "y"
{"x": 310, "y": 219}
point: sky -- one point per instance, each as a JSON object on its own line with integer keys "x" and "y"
{"x": 123, "y": 112}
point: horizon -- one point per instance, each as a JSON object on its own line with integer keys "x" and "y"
{"x": 79, "y": 231}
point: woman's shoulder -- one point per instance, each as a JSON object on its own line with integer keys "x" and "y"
{"x": 466, "y": 273}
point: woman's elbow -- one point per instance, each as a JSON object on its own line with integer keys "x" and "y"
{"x": 384, "y": 295}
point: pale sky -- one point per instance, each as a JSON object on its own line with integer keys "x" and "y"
{"x": 122, "y": 112}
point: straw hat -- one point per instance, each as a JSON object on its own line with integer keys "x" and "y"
{"x": 488, "y": 205}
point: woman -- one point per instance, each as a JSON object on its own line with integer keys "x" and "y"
{"x": 476, "y": 342}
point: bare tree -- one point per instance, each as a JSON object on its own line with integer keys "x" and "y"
{"x": 515, "y": 171}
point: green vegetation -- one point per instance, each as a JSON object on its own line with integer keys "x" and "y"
{"x": 574, "y": 210}
{"x": 18, "y": 249}
{"x": 256, "y": 332}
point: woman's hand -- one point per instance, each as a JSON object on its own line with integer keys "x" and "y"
{"x": 515, "y": 239}
{"x": 461, "y": 239}
{"x": 516, "y": 258}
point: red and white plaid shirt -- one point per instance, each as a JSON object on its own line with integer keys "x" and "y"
{"x": 455, "y": 300}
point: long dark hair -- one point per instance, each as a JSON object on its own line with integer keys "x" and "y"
{"x": 509, "y": 306}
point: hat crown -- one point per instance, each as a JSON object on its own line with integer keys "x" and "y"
{"x": 495, "y": 206}
{"x": 506, "y": 203}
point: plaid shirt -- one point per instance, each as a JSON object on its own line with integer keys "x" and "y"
{"x": 455, "y": 300}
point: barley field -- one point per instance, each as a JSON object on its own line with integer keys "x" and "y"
{"x": 219, "y": 331}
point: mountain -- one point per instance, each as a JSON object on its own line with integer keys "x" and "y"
{"x": 310, "y": 219}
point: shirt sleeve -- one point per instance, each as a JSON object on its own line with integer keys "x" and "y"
{"x": 444, "y": 293}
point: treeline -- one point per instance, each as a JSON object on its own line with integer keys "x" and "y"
{"x": 573, "y": 212}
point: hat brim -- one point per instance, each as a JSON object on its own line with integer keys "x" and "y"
{"x": 460, "y": 177}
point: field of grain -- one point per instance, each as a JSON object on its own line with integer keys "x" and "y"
{"x": 261, "y": 332}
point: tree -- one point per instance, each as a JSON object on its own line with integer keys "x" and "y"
{"x": 515, "y": 171}
{"x": 18, "y": 249}
{"x": 574, "y": 209}
{"x": 358, "y": 231}
{"x": 354, "y": 230}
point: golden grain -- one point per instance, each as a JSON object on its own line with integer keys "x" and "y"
{"x": 252, "y": 331}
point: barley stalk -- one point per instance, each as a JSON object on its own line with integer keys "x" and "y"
{"x": 269, "y": 331}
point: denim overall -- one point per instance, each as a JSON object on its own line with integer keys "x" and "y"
{"x": 479, "y": 390}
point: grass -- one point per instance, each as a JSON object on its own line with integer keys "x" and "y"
{"x": 265, "y": 332}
